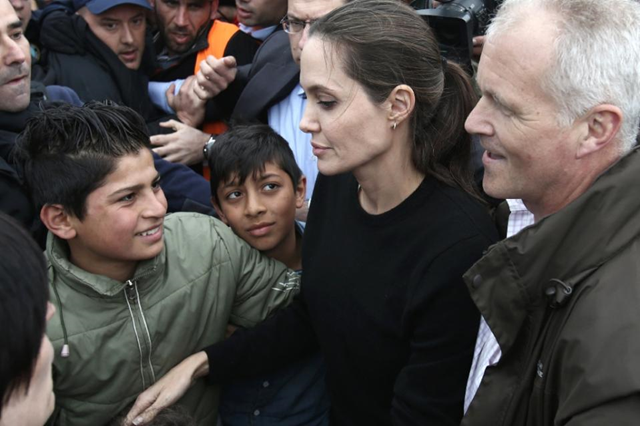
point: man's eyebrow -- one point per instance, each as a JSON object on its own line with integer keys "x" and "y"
{"x": 14, "y": 25}
{"x": 496, "y": 98}
{"x": 293, "y": 17}
{"x": 108, "y": 20}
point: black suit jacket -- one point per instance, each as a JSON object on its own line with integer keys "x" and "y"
{"x": 270, "y": 78}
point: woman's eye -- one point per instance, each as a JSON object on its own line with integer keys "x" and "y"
{"x": 327, "y": 104}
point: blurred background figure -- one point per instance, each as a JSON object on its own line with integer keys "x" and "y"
{"x": 26, "y": 354}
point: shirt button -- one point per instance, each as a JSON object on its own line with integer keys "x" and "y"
{"x": 477, "y": 281}
{"x": 256, "y": 413}
{"x": 265, "y": 384}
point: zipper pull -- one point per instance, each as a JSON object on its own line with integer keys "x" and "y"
{"x": 131, "y": 291}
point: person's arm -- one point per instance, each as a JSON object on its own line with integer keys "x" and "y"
{"x": 286, "y": 336}
{"x": 158, "y": 93}
{"x": 444, "y": 323}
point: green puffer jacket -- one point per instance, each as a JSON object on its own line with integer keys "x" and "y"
{"x": 122, "y": 337}
{"x": 562, "y": 298}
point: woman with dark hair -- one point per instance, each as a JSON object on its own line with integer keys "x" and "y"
{"x": 26, "y": 354}
{"x": 394, "y": 223}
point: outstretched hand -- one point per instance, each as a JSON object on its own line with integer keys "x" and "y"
{"x": 168, "y": 390}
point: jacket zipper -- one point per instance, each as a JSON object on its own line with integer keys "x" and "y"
{"x": 141, "y": 331}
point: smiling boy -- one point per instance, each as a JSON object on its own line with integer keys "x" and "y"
{"x": 256, "y": 187}
{"x": 136, "y": 291}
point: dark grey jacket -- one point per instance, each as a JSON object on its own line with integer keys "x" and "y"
{"x": 270, "y": 79}
{"x": 563, "y": 299}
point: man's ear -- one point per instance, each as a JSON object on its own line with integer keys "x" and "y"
{"x": 214, "y": 8}
{"x": 401, "y": 101}
{"x": 58, "y": 221}
{"x": 602, "y": 124}
{"x": 219, "y": 211}
{"x": 301, "y": 191}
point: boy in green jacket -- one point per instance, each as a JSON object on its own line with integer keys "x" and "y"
{"x": 136, "y": 291}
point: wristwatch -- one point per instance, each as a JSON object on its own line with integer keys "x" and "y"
{"x": 207, "y": 147}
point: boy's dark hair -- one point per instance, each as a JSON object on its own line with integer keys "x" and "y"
{"x": 23, "y": 307}
{"x": 244, "y": 150}
{"x": 67, "y": 151}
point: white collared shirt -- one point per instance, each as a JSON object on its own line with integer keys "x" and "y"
{"x": 487, "y": 351}
{"x": 284, "y": 118}
{"x": 258, "y": 33}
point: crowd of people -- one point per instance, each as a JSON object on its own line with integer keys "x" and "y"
{"x": 275, "y": 212}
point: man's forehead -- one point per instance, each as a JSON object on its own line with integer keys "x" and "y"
{"x": 122, "y": 11}
{"x": 8, "y": 18}
{"x": 312, "y": 9}
{"x": 190, "y": 2}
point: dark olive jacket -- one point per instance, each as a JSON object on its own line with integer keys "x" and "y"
{"x": 563, "y": 300}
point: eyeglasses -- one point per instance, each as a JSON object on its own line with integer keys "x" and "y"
{"x": 292, "y": 26}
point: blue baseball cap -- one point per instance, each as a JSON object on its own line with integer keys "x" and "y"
{"x": 99, "y": 6}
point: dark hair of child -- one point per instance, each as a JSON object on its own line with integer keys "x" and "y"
{"x": 23, "y": 307}
{"x": 67, "y": 151}
{"x": 244, "y": 150}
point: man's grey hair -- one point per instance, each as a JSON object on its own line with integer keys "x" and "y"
{"x": 597, "y": 56}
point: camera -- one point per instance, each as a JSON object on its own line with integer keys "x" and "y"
{"x": 455, "y": 22}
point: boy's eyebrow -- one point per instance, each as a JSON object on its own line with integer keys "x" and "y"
{"x": 134, "y": 188}
{"x": 234, "y": 182}
{"x": 269, "y": 176}
{"x": 230, "y": 183}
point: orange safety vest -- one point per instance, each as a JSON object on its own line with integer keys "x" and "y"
{"x": 218, "y": 38}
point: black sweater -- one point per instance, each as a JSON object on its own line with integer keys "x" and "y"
{"x": 383, "y": 296}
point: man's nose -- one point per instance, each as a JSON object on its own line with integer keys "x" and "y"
{"x": 12, "y": 52}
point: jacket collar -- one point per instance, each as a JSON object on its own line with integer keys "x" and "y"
{"x": 518, "y": 274}
{"x": 58, "y": 256}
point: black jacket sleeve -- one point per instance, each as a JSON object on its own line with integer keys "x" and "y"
{"x": 286, "y": 336}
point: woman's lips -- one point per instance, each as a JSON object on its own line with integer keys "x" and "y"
{"x": 318, "y": 149}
